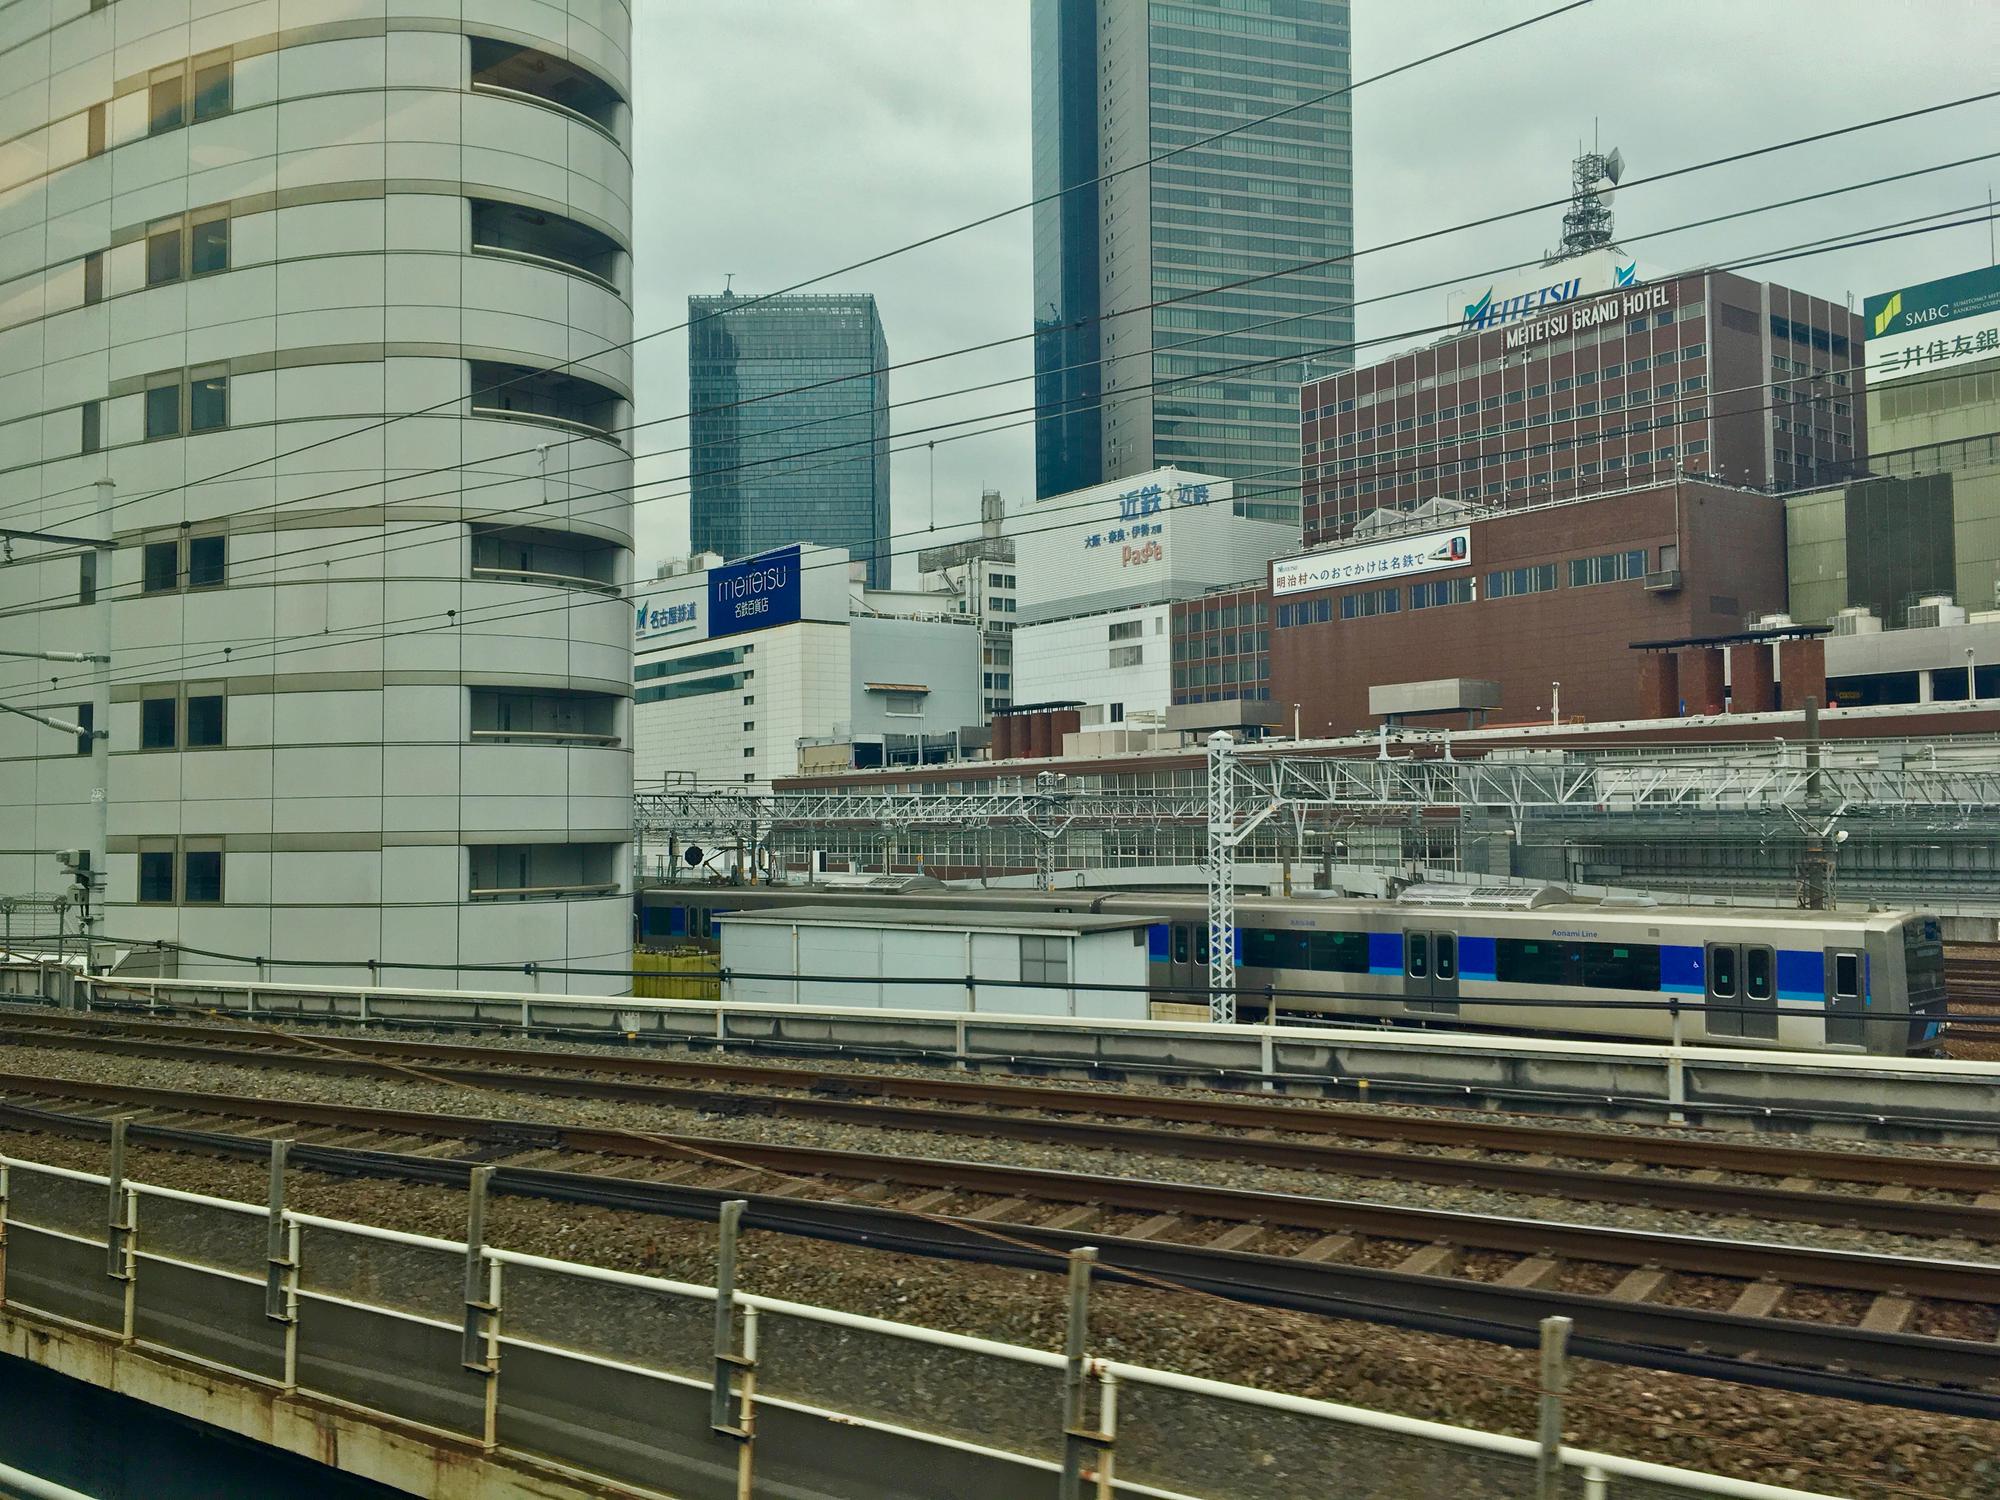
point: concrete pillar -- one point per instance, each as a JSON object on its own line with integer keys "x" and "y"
{"x": 1926, "y": 687}
{"x": 1701, "y": 679}
{"x": 1801, "y": 672}
{"x": 1659, "y": 685}
{"x": 1750, "y": 678}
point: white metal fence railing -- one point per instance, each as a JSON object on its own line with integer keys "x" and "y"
{"x": 696, "y": 1390}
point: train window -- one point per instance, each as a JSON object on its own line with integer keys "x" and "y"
{"x": 1519, "y": 962}
{"x": 1201, "y": 946}
{"x": 1846, "y": 976}
{"x": 1757, "y": 973}
{"x": 1447, "y": 955}
{"x": 1722, "y": 973}
{"x": 1180, "y": 942}
{"x": 1618, "y": 966}
{"x": 1338, "y": 952}
{"x": 1418, "y": 950}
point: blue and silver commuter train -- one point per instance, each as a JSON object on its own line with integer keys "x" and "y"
{"x": 1499, "y": 958}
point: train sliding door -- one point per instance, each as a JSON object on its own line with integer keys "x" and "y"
{"x": 1742, "y": 991}
{"x": 1430, "y": 972}
{"x": 1846, "y": 997}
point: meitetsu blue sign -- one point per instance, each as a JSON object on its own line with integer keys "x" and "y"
{"x": 756, "y": 592}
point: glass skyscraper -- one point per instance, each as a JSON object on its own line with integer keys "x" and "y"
{"x": 1210, "y": 383}
{"x": 790, "y": 426}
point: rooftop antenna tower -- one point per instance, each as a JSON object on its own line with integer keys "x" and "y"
{"x": 1587, "y": 221}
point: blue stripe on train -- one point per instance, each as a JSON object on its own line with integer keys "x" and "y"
{"x": 1801, "y": 976}
{"x": 1477, "y": 958}
{"x": 1680, "y": 970}
{"x": 1156, "y": 943}
{"x": 1385, "y": 953}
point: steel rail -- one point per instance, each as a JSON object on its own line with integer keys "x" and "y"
{"x": 836, "y": 1095}
{"x": 1913, "y": 1371}
{"x": 1952, "y": 1280}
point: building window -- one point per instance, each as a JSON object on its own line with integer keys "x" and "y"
{"x": 93, "y": 277}
{"x": 167, "y": 100}
{"x": 93, "y": 129}
{"x": 1441, "y": 592}
{"x": 208, "y": 401}
{"x": 1128, "y": 656}
{"x": 92, "y": 415}
{"x": 903, "y": 705}
{"x": 86, "y": 578}
{"x": 159, "y": 722}
{"x": 214, "y": 88}
{"x": 204, "y": 716}
{"x": 201, "y": 873}
{"x": 207, "y": 561}
{"x": 156, "y": 873}
{"x": 1045, "y": 960}
{"x": 160, "y": 568}
{"x": 163, "y": 253}
{"x": 1127, "y": 630}
{"x": 1536, "y": 580}
{"x": 1359, "y": 606}
{"x": 208, "y": 246}
{"x": 1611, "y": 567}
{"x": 163, "y": 410}
{"x": 86, "y": 720}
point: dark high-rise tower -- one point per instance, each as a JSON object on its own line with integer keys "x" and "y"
{"x": 790, "y": 425}
{"x": 1210, "y": 383}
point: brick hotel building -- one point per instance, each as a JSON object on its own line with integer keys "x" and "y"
{"x": 1566, "y": 392}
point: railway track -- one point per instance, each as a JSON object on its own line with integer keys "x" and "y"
{"x": 1888, "y": 1329}
{"x": 1787, "y": 1184}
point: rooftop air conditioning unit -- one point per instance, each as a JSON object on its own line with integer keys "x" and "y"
{"x": 1859, "y": 620}
{"x": 1933, "y": 610}
{"x": 1777, "y": 620}
{"x": 1666, "y": 581}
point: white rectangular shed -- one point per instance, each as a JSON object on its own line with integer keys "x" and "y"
{"x": 896, "y": 957}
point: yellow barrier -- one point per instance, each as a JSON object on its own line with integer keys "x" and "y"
{"x": 682, "y": 974}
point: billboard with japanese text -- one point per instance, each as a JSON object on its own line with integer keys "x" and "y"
{"x": 1337, "y": 566}
{"x": 1934, "y": 326}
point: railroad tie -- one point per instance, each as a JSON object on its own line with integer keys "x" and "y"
{"x": 1987, "y": 1200}
{"x": 1889, "y": 1313}
{"x": 1332, "y": 1247}
{"x": 929, "y": 1203}
{"x": 1154, "y": 1227}
{"x": 531, "y": 1159}
{"x": 1081, "y": 1217}
{"x": 1704, "y": 1174}
{"x": 1895, "y": 1192}
{"x": 1622, "y": 1169}
{"x": 748, "y": 1177}
{"x": 1241, "y": 1237}
{"x": 788, "y": 1187}
{"x": 1003, "y": 1211}
{"x": 1760, "y": 1299}
{"x": 1798, "y": 1184}
{"x": 1644, "y": 1284}
{"x": 667, "y": 1172}
{"x": 1534, "y": 1273}
{"x": 1440, "y": 1259}
{"x": 867, "y": 1192}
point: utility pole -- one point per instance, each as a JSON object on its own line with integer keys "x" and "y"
{"x": 1818, "y": 875}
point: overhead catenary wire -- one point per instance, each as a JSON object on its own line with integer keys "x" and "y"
{"x": 927, "y": 240}
{"x": 371, "y": 546}
{"x": 1727, "y": 159}
{"x": 228, "y": 655}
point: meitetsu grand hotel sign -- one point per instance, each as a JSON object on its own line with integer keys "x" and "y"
{"x": 1549, "y": 301}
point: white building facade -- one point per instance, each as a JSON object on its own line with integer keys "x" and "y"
{"x": 313, "y": 382}
{"x": 1098, "y": 570}
{"x": 738, "y": 663}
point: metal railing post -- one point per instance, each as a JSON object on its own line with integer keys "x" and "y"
{"x": 472, "y": 1343}
{"x": 117, "y": 1227}
{"x": 6, "y": 1212}
{"x": 277, "y": 1263}
{"x": 1081, "y": 1442}
{"x": 1549, "y": 1414}
{"x": 727, "y": 1360}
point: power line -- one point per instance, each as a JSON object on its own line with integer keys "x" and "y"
{"x": 228, "y": 653}
{"x": 911, "y": 245}
{"x": 370, "y": 545}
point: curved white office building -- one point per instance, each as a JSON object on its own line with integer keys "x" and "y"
{"x": 313, "y": 399}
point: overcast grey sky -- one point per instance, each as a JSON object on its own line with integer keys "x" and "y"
{"x": 779, "y": 139}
